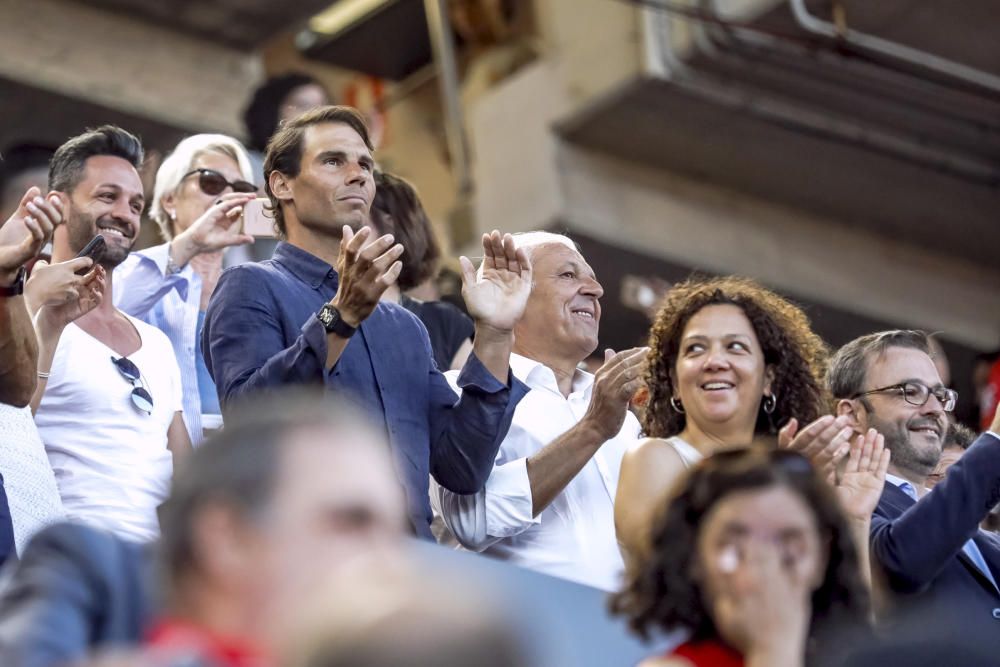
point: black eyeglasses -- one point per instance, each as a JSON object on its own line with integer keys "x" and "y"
{"x": 141, "y": 398}
{"x": 917, "y": 393}
{"x": 213, "y": 183}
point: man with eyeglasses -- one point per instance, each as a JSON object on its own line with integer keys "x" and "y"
{"x": 108, "y": 403}
{"x": 939, "y": 570}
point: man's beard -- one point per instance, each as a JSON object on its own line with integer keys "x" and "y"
{"x": 905, "y": 454}
{"x": 82, "y": 228}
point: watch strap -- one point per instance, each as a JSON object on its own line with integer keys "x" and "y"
{"x": 330, "y": 317}
{"x": 17, "y": 287}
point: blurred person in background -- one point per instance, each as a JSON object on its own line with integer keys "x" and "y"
{"x": 751, "y": 556}
{"x": 728, "y": 362}
{"x": 259, "y": 517}
{"x": 957, "y": 439}
{"x": 200, "y": 190}
{"x": 388, "y": 612}
{"x": 311, "y": 316}
{"x": 986, "y": 382}
{"x": 397, "y": 210}
{"x": 109, "y": 394}
{"x": 275, "y": 101}
{"x": 939, "y": 570}
{"x": 22, "y": 167}
{"x": 549, "y": 502}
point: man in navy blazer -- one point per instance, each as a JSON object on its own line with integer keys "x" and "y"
{"x": 940, "y": 570}
{"x": 311, "y": 315}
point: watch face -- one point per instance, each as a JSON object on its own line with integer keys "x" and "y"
{"x": 326, "y": 316}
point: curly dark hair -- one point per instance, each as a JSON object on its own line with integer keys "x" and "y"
{"x": 662, "y": 592}
{"x": 797, "y": 355}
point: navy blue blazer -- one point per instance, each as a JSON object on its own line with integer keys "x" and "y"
{"x": 261, "y": 333}
{"x": 935, "y": 589}
{"x": 75, "y": 588}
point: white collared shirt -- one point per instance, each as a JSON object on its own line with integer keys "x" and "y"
{"x": 574, "y": 537}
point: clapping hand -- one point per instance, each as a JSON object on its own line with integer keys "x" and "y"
{"x": 27, "y": 231}
{"x": 498, "y": 296}
{"x": 860, "y": 485}
{"x": 366, "y": 269}
{"x": 824, "y": 442}
{"x": 614, "y": 384}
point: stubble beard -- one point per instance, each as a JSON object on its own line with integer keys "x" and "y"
{"x": 906, "y": 455}
{"x": 82, "y": 229}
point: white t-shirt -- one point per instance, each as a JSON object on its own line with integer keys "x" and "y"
{"x": 110, "y": 459}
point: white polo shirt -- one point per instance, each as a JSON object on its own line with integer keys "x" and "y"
{"x": 110, "y": 459}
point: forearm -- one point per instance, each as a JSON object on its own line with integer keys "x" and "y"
{"x": 465, "y": 437}
{"x": 178, "y": 440}
{"x": 142, "y": 281}
{"x": 18, "y": 352}
{"x": 48, "y": 341}
{"x": 493, "y": 348}
{"x": 555, "y": 465}
{"x": 860, "y": 530}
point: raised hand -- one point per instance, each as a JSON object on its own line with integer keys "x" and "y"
{"x": 614, "y": 384}
{"x": 56, "y": 284}
{"x": 366, "y": 269}
{"x": 77, "y": 300}
{"x": 861, "y": 483}
{"x": 824, "y": 442}
{"x": 216, "y": 229}
{"x": 498, "y": 296}
{"x": 27, "y": 231}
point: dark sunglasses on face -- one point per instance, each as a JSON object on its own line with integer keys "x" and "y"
{"x": 141, "y": 398}
{"x": 213, "y": 183}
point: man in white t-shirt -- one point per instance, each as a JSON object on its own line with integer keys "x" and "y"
{"x": 108, "y": 403}
{"x": 549, "y": 502}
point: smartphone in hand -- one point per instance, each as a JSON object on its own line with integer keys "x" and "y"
{"x": 258, "y": 220}
{"x": 94, "y": 250}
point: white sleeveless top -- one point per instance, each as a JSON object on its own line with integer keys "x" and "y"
{"x": 689, "y": 455}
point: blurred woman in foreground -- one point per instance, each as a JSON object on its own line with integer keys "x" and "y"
{"x": 752, "y": 558}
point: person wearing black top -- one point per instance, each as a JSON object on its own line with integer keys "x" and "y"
{"x": 397, "y": 210}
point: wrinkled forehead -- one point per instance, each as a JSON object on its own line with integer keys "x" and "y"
{"x": 337, "y": 137}
{"x": 552, "y": 254}
{"x": 901, "y": 364}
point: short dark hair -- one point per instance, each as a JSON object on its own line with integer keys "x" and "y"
{"x": 848, "y": 370}
{"x": 959, "y": 435}
{"x": 264, "y": 109}
{"x": 67, "y": 165}
{"x": 661, "y": 592}
{"x": 397, "y": 210}
{"x": 284, "y": 150}
{"x": 789, "y": 344}
{"x": 239, "y": 467}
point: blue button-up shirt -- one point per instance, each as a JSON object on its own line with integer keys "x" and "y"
{"x": 261, "y": 332}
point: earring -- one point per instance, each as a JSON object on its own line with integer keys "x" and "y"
{"x": 676, "y": 405}
{"x": 173, "y": 215}
{"x": 770, "y": 403}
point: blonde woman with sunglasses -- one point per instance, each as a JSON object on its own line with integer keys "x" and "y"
{"x": 199, "y": 194}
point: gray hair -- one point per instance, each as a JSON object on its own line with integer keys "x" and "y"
{"x": 849, "y": 367}
{"x": 529, "y": 241}
{"x": 179, "y": 162}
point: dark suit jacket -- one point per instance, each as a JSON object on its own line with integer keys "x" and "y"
{"x": 936, "y": 590}
{"x": 75, "y": 588}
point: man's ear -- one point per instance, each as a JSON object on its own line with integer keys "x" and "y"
{"x": 281, "y": 186}
{"x": 848, "y": 408}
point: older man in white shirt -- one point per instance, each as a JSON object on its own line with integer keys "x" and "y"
{"x": 549, "y": 502}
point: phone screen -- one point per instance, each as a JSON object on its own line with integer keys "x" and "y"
{"x": 257, "y": 219}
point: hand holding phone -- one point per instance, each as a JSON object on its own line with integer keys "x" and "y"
{"x": 94, "y": 250}
{"x": 258, "y": 219}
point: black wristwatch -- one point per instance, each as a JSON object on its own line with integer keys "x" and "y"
{"x": 17, "y": 287}
{"x": 329, "y": 316}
